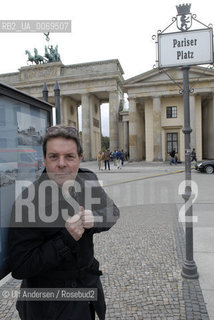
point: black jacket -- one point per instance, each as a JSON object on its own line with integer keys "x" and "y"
{"x": 172, "y": 153}
{"x": 45, "y": 255}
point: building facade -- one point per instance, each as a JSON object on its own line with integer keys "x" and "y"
{"x": 152, "y": 126}
{"x": 156, "y": 114}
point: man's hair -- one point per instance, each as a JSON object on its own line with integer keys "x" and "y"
{"x": 62, "y": 131}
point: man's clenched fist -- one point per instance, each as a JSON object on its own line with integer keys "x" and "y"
{"x": 87, "y": 219}
{"x": 77, "y": 224}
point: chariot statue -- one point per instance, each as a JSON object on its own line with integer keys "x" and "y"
{"x": 51, "y": 54}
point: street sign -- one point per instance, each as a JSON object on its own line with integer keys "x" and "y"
{"x": 187, "y": 48}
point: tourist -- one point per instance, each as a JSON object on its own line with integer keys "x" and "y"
{"x": 58, "y": 253}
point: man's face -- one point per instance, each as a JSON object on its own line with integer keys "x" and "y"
{"x": 62, "y": 160}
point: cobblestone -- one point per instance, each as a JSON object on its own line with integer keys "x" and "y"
{"x": 141, "y": 259}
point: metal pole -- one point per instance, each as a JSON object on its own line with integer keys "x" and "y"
{"x": 57, "y": 103}
{"x": 45, "y": 92}
{"x": 189, "y": 268}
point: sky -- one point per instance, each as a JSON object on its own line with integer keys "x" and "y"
{"x": 101, "y": 30}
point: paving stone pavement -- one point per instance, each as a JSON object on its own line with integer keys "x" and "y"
{"x": 141, "y": 258}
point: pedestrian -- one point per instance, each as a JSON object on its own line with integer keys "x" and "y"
{"x": 107, "y": 159}
{"x": 99, "y": 160}
{"x": 127, "y": 155}
{"x": 115, "y": 158}
{"x": 193, "y": 155}
{"x": 122, "y": 157}
{"x": 119, "y": 156}
{"x": 173, "y": 159}
{"x": 50, "y": 238}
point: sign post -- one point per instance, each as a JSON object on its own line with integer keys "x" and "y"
{"x": 189, "y": 268}
{"x": 183, "y": 49}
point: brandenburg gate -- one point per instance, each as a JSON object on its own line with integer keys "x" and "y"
{"x": 88, "y": 85}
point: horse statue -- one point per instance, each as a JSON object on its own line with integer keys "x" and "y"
{"x": 30, "y": 57}
{"x": 38, "y": 58}
{"x": 57, "y": 55}
{"x": 48, "y": 55}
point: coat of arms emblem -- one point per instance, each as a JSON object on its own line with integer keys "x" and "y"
{"x": 184, "y": 17}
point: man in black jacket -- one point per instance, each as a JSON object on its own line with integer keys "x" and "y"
{"x": 52, "y": 227}
{"x": 173, "y": 157}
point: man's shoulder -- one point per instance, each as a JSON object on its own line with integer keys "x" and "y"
{"x": 85, "y": 170}
{"x": 87, "y": 174}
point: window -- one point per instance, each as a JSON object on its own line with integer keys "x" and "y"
{"x": 171, "y": 112}
{"x": 172, "y": 142}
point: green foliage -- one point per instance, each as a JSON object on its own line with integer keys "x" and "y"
{"x": 105, "y": 142}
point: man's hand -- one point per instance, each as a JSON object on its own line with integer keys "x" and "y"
{"x": 87, "y": 218}
{"x": 74, "y": 226}
{"x": 77, "y": 224}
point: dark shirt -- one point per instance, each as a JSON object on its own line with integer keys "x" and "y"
{"x": 172, "y": 153}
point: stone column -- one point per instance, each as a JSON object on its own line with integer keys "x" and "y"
{"x": 192, "y": 121}
{"x": 198, "y": 126}
{"x": 125, "y": 136}
{"x": 149, "y": 130}
{"x": 114, "y": 103}
{"x": 78, "y": 105}
{"x": 211, "y": 130}
{"x": 157, "y": 128}
{"x": 132, "y": 129}
{"x": 86, "y": 126}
